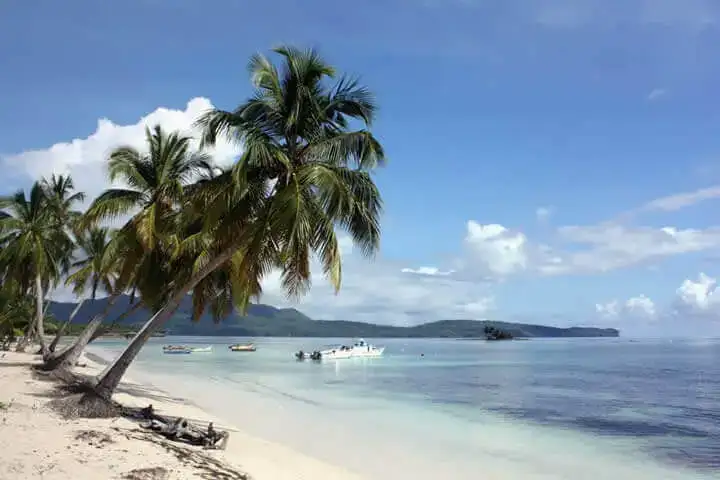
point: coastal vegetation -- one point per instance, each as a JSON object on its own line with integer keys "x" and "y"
{"x": 493, "y": 333}
{"x": 192, "y": 229}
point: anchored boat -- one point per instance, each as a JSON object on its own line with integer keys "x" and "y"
{"x": 360, "y": 349}
{"x": 177, "y": 349}
{"x": 238, "y": 347}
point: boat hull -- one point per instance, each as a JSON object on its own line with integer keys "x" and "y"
{"x": 242, "y": 348}
{"x": 337, "y": 354}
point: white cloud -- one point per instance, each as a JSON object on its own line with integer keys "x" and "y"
{"x": 610, "y": 309}
{"x": 613, "y": 246}
{"x": 678, "y": 201}
{"x": 699, "y": 295}
{"x": 85, "y": 158}
{"x": 432, "y": 271}
{"x": 656, "y": 94}
{"x": 695, "y": 301}
{"x": 640, "y": 306}
{"x": 497, "y": 249}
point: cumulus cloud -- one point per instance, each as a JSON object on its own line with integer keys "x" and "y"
{"x": 497, "y": 249}
{"x": 640, "y": 306}
{"x": 694, "y": 301}
{"x": 699, "y": 295}
{"x": 85, "y": 158}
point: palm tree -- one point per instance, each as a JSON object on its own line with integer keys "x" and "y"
{"x": 96, "y": 270}
{"x": 33, "y": 250}
{"x": 62, "y": 199}
{"x": 155, "y": 181}
{"x": 303, "y": 171}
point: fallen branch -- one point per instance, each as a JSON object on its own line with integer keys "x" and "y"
{"x": 182, "y": 430}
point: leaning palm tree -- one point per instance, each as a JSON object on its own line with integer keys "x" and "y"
{"x": 33, "y": 250}
{"x": 95, "y": 271}
{"x": 303, "y": 172}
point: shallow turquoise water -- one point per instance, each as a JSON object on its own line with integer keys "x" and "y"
{"x": 555, "y": 408}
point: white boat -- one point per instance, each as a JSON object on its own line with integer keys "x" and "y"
{"x": 359, "y": 349}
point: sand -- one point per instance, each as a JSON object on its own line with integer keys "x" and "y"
{"x": 36, "y": 443}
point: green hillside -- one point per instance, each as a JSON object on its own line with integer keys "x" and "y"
{"x": 268, "y": 321}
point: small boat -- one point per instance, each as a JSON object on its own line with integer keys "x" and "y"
{"x": 300, "y": 356}
{"x": 360, "y": 349}
{"x": 238, "y": 347}
{"x": 177, "y": 349}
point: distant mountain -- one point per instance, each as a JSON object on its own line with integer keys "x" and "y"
{"x": 268, "y": 321}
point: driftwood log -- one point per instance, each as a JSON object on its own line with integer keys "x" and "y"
{"x": 182, "y": 430}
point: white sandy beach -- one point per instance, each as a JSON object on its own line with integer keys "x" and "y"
{"x": 38, "y": 444}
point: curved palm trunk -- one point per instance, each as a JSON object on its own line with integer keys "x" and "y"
{"x": 61, "y": 330}
{"x": 39, "y": 324}
{"x": 25, "y": 340}
{"x": 45, "y": 351}
{"x": 111, "y": 376}
{"x": 102, "y": 331}
{"x": 69, "y": 357}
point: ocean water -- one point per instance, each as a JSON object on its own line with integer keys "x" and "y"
{"x": 539, "y": 409}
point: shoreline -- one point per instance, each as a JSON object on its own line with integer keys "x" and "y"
{"x": 37, "y": 443}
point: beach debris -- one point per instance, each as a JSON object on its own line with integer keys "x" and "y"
{"x": 152, "y": 473}
{"x": 181, "y": 429}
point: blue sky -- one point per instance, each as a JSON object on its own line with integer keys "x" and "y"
{"x": 490, "y": 110}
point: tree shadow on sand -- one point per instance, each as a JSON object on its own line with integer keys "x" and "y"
{"x": 210, "y": 468}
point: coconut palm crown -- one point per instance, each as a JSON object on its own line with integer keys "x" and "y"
{"x": 296, "y": 133}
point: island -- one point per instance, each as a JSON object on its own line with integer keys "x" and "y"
{"x": 268, "y": 321}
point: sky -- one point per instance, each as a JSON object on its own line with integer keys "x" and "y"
{"x": 550, "y": 161}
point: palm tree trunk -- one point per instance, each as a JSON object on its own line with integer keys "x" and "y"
{"x": 25, "y": 340}
{"x": 61, "y": 330}
{"x": 45, "y": 351}
{"x": 69, "y": 357}
{"x": 110, "y": 378}
{"x": 101, "y": 331}
{"x": 39, "y": 324}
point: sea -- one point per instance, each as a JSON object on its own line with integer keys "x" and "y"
{"x": 605, "y": 408}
